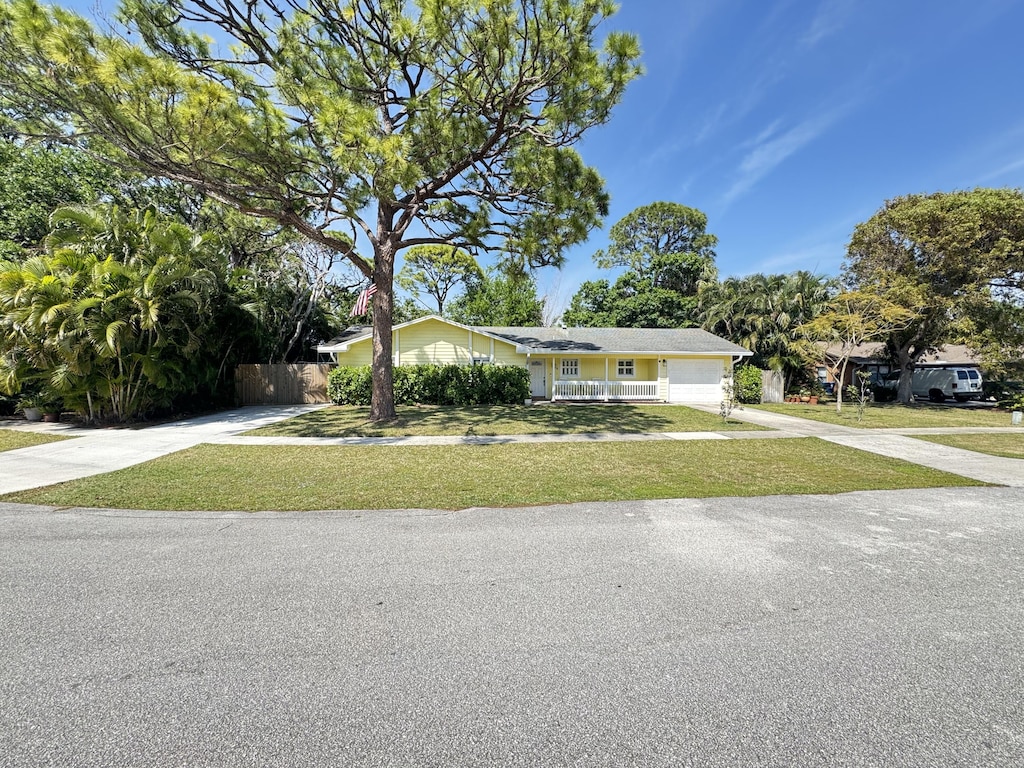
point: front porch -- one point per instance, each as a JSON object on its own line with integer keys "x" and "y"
{"x": 639, "y": 391}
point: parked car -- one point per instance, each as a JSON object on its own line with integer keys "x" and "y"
{"x": 961, "y": 383}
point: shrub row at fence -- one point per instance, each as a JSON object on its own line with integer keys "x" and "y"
{"x": 435, "y": 385}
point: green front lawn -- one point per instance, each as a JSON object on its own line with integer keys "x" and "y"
{"x": 233, "y": 477}
{"x": 351, "y": 421}
{"x": 895, "y": 415}
{"x": 1010, "y": 446}
{"x": 11, "y": 439}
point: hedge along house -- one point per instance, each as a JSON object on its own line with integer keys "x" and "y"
{"x": 684, "y": 365}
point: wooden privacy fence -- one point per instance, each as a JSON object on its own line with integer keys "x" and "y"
{"x": 771, "y": 387}
{"x": 284, "y": 384}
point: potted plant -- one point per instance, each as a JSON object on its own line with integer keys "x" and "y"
{"x": 51, "y": 406}
{"x": 31, "y": 405}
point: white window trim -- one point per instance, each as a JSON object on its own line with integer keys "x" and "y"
{"x": 619, "y": 366}
{"x": 570, "y": 362}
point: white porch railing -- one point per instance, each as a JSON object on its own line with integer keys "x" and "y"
{"x": 605, "y": 390}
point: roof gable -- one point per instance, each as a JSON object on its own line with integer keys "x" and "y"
{"x": 543, "y": 340}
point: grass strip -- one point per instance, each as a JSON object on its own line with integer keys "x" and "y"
{"x": 417, "y": 420}
{"x": 233, "y": 477}
{"x": 11, "y": 439}
{"x": 895, "y": 415}
{"x": 1010, "y": 446}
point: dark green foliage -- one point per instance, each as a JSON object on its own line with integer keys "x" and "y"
{"x": 499, "y": 298}
{"x": 35, "y": 180}
{"x": 747, "y": 383}
{"x": 632, "y": 302}
{"x": 435, "y": 385}
{"x": 668, "y": 255}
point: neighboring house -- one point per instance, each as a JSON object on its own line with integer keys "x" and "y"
{"x": 685, "y": 365}
{"x": 871, "y": 358}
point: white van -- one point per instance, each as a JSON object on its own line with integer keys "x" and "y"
{"x": 959, "y": 382}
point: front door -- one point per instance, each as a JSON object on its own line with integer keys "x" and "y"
{"x": 538, "y": 381}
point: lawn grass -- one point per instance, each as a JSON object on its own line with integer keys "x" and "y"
{"x": 351, "y": 421}
{"x": 10, "y": 439}
{"x": 1010, "y": 446}
{"x": 234, "y": 477}
{"x": 895, "y": 415}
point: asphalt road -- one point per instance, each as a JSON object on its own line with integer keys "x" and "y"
{"x": 868, "y": 629}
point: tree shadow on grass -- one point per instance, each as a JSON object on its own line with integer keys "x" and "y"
{"x": 346, "y": 421}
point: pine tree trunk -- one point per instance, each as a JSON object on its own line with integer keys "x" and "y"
{"x": 382, "y": 403}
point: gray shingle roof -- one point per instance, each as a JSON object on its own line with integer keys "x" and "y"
{"x": 618, "y": 340}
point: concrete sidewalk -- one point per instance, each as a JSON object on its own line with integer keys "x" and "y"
{"x": 95, "y": 451}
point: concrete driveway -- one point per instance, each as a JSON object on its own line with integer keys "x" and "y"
{"x": 867, "y": 629}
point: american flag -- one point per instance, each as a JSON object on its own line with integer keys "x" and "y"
{"x": 363, "y": 302}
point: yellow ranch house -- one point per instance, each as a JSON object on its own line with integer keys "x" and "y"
{"x": 677, "y": 365}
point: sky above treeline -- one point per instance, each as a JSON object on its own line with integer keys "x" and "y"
{"x": 788, "y": 122}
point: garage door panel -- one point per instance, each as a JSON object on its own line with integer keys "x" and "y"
{"x": 694, "y": 381}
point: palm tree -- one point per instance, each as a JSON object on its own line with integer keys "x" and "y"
{"x": 112, "y": 314}
{"x": 763, "y": 312}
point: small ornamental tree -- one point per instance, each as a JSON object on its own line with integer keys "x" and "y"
{"x": 853, "y": 318}
{"x": 400, "y": 122}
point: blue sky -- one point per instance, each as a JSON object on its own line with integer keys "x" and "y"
{"x": 788, "y": 123}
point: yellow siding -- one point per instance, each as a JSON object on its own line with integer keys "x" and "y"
{"x": 505, "y": 354}
{"x": 358, "y": 354}
{"x": 593, "y": 368}
{"x": 433, "y": 341}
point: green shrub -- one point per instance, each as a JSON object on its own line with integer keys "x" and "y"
{"x": 434, "y": 385}
{"x": 747, "y": 383}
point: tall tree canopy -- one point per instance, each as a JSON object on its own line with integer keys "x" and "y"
{"x": 37, "y": 179}
{"x": 949, "y": 257}
{"x": 668, "y": 255}
{"x": 437, "y": 270}
{"x": 400, "y": 122}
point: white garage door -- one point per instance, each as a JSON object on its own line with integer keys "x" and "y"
{"x": 694, "y": 381}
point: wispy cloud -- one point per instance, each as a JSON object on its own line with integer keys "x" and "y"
{"x": 769, "y": 149}
{"x": 1002, "y": 171}
{"x": 831, "y": 16}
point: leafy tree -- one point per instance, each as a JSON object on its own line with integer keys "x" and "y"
{"x": 436, "y": 270}
{"x": 668, "y": 255}
{"x": 112, "y": 316}
{"x": 37, "y": 179}
{"x": 368, "y": 115}
{"x": 497, "y": 297}
{"x": 764, "y": 313}
{"x": 945, "y": 257}
{"x": 631, "y": 302}
{"x": 853, "y": 318}
{"x": 667, "y": 243}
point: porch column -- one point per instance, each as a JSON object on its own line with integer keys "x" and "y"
{"x": 607, "y": 386}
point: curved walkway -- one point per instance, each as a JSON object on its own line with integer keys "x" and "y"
{"x": 96, "y": 451}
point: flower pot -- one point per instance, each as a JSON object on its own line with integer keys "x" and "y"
{"x": 805, "y": 399}
{"x": 813, "y": 400}
{"x": 33, "y": 414}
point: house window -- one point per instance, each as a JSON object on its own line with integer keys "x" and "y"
{"x": 570, "y": 368}
{"x": 626, "y": 369}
